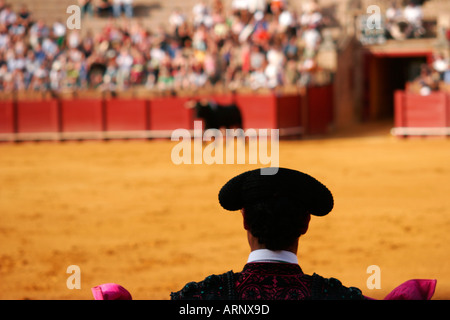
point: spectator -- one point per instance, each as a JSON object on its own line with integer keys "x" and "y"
{"x": 50, "y": 48}
{"x": 39, "y": 80}
{"x": 413, "y": 15}
{"x": 125, "y": 6}
{"x": 306, "y": 70}
{"x": 292, "y": 74}
{"x": 236, "y": 79}
{"x": 197, "y": 76}
{"x": 176, "y": 19}
{"x": 31, "y": 65}
{"x": 440, "y": 65}
{"x": 212, "y": 64}
{"x": 261, "y": 34}
{"x": 274, "y": 68}
{"x": 181, "y": 78}
{"x": 7, "y": 16}
{"x": 257, "y": 57}
{"x": 258, "y": 79}
{"x": 59, "y": 32}
{"x": 137, "y": 68}
{"x": 427, "y": 81}
{"x": 17, "y": 29}
{"x": 201, "y": 14}
{"x": 24, "y": 16}
{"x": 124, "y": 63}
{"x": 38, "y": 32}
{"x": 312, "y": 39}
{"x": 104, "y": 8}
{"x": 199, "y": 38}
{"x": 285, "y": 20}
{"x": 256, "y": 5}
{"x": 73, "y": 39}
{"x": 393, "y": 13}
{"x": 5, "y": 38}
{"x": 86, "y": 7}
{"x": 56, "y": 76}
{"x": 39, "y": 54}
{"x": 277, "y": 6}
{"x": 395, "y": 24}
{"x": 240, "y": 5}
{"x": 165, "y": 79}
{"x": 290, "y": 48}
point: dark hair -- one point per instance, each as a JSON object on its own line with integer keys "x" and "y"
{"x": 277, "y": 222}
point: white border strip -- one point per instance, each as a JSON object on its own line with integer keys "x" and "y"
{"x": 104, "y": 135}
{"x": 417, "y": 131}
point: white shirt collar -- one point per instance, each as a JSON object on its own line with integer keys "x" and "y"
{"x": 265, "y": 255}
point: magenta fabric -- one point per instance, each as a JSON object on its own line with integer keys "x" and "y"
{"x": 415, "y": 289}
{"x": 110, "y": 291}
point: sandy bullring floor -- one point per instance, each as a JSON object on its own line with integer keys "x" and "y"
{"x": 124, "y": 213}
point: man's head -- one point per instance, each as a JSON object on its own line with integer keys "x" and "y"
{"x": 276, "y": 208}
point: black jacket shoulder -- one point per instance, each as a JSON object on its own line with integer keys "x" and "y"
{"x": 332, "y": 289}
{"x": 222, "y": 287}
{"x": 213, "y": 287}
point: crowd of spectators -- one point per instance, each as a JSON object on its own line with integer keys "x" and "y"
{"x": 432, "y": 76}
{"x": 405, "y": 22}
{"x": 113, "y": 8}
{"x": 254, "y": 43}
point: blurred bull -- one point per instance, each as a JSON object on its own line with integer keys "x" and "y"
{"x": 216, "y": 116}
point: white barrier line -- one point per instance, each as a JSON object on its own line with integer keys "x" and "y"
{"x": 101, "y": 135}
{"x": 416, "y": 131}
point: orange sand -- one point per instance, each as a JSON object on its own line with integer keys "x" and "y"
{"x": 124, "y": 213}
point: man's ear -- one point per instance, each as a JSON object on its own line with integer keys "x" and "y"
{"x": 305, "y": 224}
{"x": 243, "y": 219}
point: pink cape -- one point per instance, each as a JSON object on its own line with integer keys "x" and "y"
{"x": 110, "y": 291}
{"x": 415, "y": 289}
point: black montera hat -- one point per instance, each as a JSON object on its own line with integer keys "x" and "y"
{"x": 251, "y": 187}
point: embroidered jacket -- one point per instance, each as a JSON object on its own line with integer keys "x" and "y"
{"x": 267, "y": 281}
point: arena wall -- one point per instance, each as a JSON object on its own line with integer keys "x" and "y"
{"x": 109, "y": 118}
{"x": 421, "y": 115}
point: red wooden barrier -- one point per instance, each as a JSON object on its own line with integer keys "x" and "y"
{"x": 137, "y": 118}
{"x": 83, "y": 115}
{"x": 320, "y": 109}
{"x": 258, "y": 111}
{"x": 126, "y": 115}
{"x": 417, "y": 115}
{"x": 169, "y": 113}
{"x": 399, "y": 106}
{"x": 425, "y": 111}
{"x": 289, "y": 111}
{"x": 6, "y": 117}
{"x": 37, "y": 116}
{"x": 448, "y": 109}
